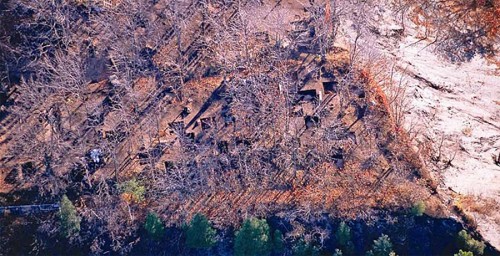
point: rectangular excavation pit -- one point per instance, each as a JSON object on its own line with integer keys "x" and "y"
{"x": 177, "y": 126}
{"x": 330, "y": 86}
{"x": 312, "y": 121}
{"x": 207, "y": 123}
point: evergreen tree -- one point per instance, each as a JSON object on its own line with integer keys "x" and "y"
{"x": 303, "y": 248}
{"x": 337, "y": 253}
{"x": 253, "y": 238}
{"x": 464, "y": 253}
{"x": 278, "y": 245}
{"x": 154, "y": 226}
{"x": 69, "y": 219}
{"x": 470, "y": 244}
{"x": 199, "y": 233}
{"x": 381, "y": 247}
{"x": 343, "y": 235}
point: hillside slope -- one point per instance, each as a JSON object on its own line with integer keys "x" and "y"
{"x": 451, "y": 109}
{"x": 139, "y": 115}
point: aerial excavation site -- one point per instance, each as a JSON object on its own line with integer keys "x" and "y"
{"x": 250, "y": 127}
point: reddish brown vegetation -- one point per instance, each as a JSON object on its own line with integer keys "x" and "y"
{"x": 461, "y": 28}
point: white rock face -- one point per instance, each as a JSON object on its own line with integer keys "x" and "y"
{"x": 467, "y": 118}
{"x": 455, "y": 107}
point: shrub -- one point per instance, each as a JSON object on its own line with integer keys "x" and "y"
{"x": 464, "y": 253}
{"x": 154, "y": 226}
{"x": 469, "y": 219}
{"x": 69, "y": 219}
{"x": 418, "y": 208}
{"x": 199, "y": 233}
{"x": 133, "y": 189}
{"x": 253, "y": 238}
{"x": 467, "y": 242}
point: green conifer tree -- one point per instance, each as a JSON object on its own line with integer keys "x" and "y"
{"x": 278, "y": 245}
{"x": 464, "y": 253}
{"x": 343, "y": 235}
{"x": 253, "y": 238}
{"x": 69, "y": 219}
{"x": 154, "y": 226}
{"x": 381, "y": 247}
{"x": 337, "y": 252}
{"x": 199, "y": 233}
{"x": 470, "y": 244}
{"x": 303, "y": 248}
